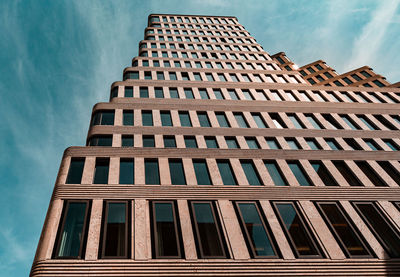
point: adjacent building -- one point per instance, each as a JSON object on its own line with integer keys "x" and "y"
{"x": 211, "y": 160}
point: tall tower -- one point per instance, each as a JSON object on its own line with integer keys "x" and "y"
{"x": 211, "y": 160}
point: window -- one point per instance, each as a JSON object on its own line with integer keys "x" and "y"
{"x": 165, "y": 230}
{"x": 247, "y": 95}
{"x": 172, "y": 76}
{"x": 173, "y": 92}
{"x": 313, "y": 144}
{"x": 203, "y": 119}
{"x": 390, "y": 170}
{"x": 349, "y": 122}
{"x": 350, "y": 177}
{"x": 71, "y": 236}
{"x": 333, "y": 144}
{"x": 177, "y": 173}
{"x": 126, "y": 171}
{"x": 231, "y": 142}
{"x": 152, "y": 175}
{"x": 203, "y": 94}
{"x": 297, "y": 232}
{"x": 343, "y": 230}
{"x": 251, "y": 173}
{"x": 218, "y": 94}
{"x": 103, "y": 118}
{"x": 115, "y": 230}
{"x": 299, "y": 173}
{"x": 147, "y": 75}
{"x": 293, "y": 144}
{"x": 313, "y": 121}
{"x": 100, "y": 140}
{"x": 371, "y": 173}
{"x": 252, "y": 143}
{"x": 207, "y": 230}
{"x": 323, "y": 173}
{"x": 233, "y": 94}
{"x": 390, "y": 143}
{"x": 202, "y": 173}
{"x": 127, "y": 118}
{"x": 372, "y": 144}
{"x": 259, "y": 120}
{"x": 240, "y": 120}
{"x": 147, "y": 118}
{"x": 275, "y": 173}
{"x": 190, "y": 142}
{"x": 189, "y": 93}
{"x": 222, "y": 120}
{"x": 211, "y": 142}
{"x": 148, "y": 141}
{"x": 127, "y": 141}
{"x": 380, "y": 227}
{"x": 273, "y": 143}
{"x": 276, "y": 95}
{"x": 295, "y": 121}
{"x": 367, "y": 122}
{"x": 166, "y": 118}
{"x": 169, "y": 142}
{"x": 144, "y": 92}
{"x": 75, "y": 171}
{"x": 256, "y": 233}
{"x": 128, "y": 91}
{"x": 185, "y": 119}
{"x": 132, "y": 75}
{"x": 226, "y": 173}
{"x": 278, "y": 122}
{"x": 159, "y": 93}
{"x": 101, "y": 171}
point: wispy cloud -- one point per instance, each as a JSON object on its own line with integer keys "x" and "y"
{"x": 368, "y": 43}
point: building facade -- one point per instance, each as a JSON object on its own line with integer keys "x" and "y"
{"x": 211, "y": 160}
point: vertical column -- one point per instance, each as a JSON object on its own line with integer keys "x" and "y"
{"x": 93, "y": 239}
{"x": 186, "y": 228}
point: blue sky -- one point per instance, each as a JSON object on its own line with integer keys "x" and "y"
{"x": 58, "y": 58}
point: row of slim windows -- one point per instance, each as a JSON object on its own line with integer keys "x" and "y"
{"x": 228, "y": 174}
{"x": 191, "y": 26}
{"x": 211, "y": 77}
{"x": 160, "y": 37}
{"x": 167, "y": 28}
{"x": 206, "y": 223}
{"x": 169, "y": 141}
{"x": 203, "y": 64}
{"x": 219, "y": 47}
{"x": 260, "y": 94}
{"x": 364, "y": 122}
{"x": 191, "y": 19}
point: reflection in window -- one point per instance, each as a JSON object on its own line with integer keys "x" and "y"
{"x": 371, "y": 174}
{"x": 222, "y": 121}
{"x": 323, "y": 173}
{"x": 226, "y": 172}
{"x": 275, "y": 173}
{"x": 75, "y": 171}
{"x": 185, "y": 119}
{"x": 147, "y": 118}
{"x": 299, "y": 173}
{"x": 152, "y": 175}
{"x": 177, "y": 173}
{"x": 126, "y": 171}
{"x": 101, "y": 171}
{"x": 202, "y": 173}
{"x": 343, "y": 168}
{"x": 251, "y": 173}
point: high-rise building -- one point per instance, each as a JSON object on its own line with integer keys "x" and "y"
{"x": 211, "y": 160}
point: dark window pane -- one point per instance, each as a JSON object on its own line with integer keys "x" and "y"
{"x": 173, "y": 92}
{"x": 390, "y": 170}
{"x": 185, "y": 119}
{"x": 382, "y": 229}
{"x": 343, "y": 230}
{"x": 211, "y": 142}
{"x": 126, "y": 171}
{"x": 218, "y": 94}
{"x": 166, "y": 118}
{"x": 127, "y": 141}
{"x": 169, "y": 141}
{"x": 347, "y": 173}
{"x": 147, "y": 118}
{"x": 255, "y": 230}
{"x": 251, "y": 173}
{"x": 148, "y": 141}
{"x": 222, "y": 121}
{"x": 295, "y": 121}
{"x": 202, "y": 174}
{"x": 189, "y": 93}
{"x": 349, "y": 122}
{"x": 371, "y": 174}
{"x": 105, "y": 140}
{"x": 324, "y": 174}
{"x": 190, "y": 142}
{"x": 231, "y": 142}
{"x": 128, "y": 118}
{"x": 292, "y": 143}
{"x": 177, "y": 172}
{"x": 313, "y": 144}
{"x": 240, "y": 120}
{"x": 296, "y": 230}
{"x": 115, "y": 230}
{"x": 159, "y": 93}
{"x": 103, "y": 118}
{"x": 298, "y": 172}
{"x": 226, "y": 173}
{"x": 207, "y": 231}
{"x": 128, "y": 91}
{"x": 252, "y": 143}
{"x": 72, "y": 233}
{"x": 75, "y": 171}
{"x": 203, "y": 94}
{"x": 272, "y": 143}
{"x": 259, "y": 121}
{"x": 333, "y": 144}
{"x": 144, "y": 93}
{"x": 275, "y": 173}
{"x": 152, "y": 174}
{"x": 101, "y": 171}
{"x": 203, "y": 119}
{"x": 165, "y": 230}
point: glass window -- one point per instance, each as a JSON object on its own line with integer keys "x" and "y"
{"x": 258, "y": 236}
{"x": 72, "y": 234}
{"x": 166, "y": 118}
{"x": 222, "y": 120}
{"x": 390, "y": 170}
{"x": 333, "y": 144}
{"x": 323, "y": 173}
{"x": 295, "y": 121}
{"x": 169, "y": 142}
{"x": 103, "y": 118}
{"x": 372, "y": 144}
{"x": 127, "y": 141}
{"x": 349, "y": 122}
{"x": 233, "y": 94}
{"x": 189, "y": 93}
{"x": 278, "y": 122}
{"x": 75, "y": 171}
{"x": 299, "y": 173}
{"x": 352, "y": 143}
{"x": 231, "y": 142}
{"x": 252, "y": 142}
{"x": 368, "y": 122}
{"x": 380, "y": 227}
{"x": 343, "y": 230}
{"x": 202, "y": 173}
{"x": 313, "y": 144}
{"x": 259, "y": 120}
{"x": 128, "y": 91}
{"x": 347, "y": 173}
{"x": 166, "y": 241}
{"x": 273, "y": 143}
{"x": 218, "y": 94}
{"x": 332, "y": 122}
{"x": 293, "y": 144}
{"x": 251, "y": 173}
{"x": 115, "y": 230}
{"x": 226, "y": 173}
{"x": 173, "y": 93}
{"x": 177, "y": 173}
{"x": 185, "y": 119}
{"x": 101, "y": 140}
{"x": 240, "y": 120}
{"x": 211, "y": 142}
{"x": 127, "y": 118}
{"x": 147, "y": 118}
{"x": 159, "y": 93}
{"x": 152, "y": 175}
{"x": 190, "y": 142}
{"x": 203, "y": 94}
{"x": 371, "y": 173}
{"x": 207, "y": 230}
{"x": 126, "y": 171}
{"x": 148, "y": 141}
{"x": 313, "y": 121}
{"x": 296, "y": 230}
{"x": 144, "y": 92}
{"x": 275, "y": 173}
{"x": 101, "y": 171}
{"x": 203, "y": 119}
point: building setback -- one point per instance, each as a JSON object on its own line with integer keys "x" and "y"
{"x": 211, "y": 160}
